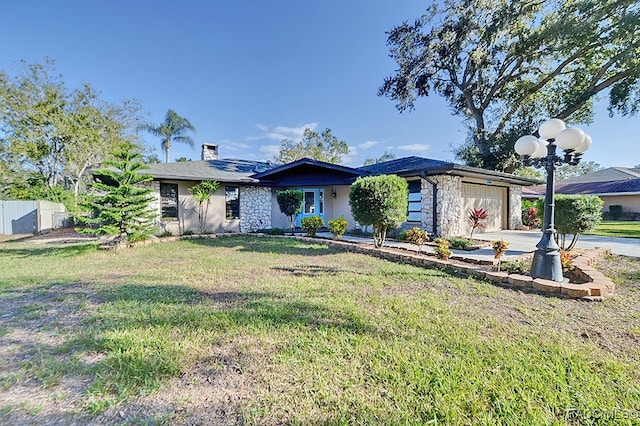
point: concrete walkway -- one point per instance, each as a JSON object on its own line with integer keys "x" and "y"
{"x": 520, "y": 242}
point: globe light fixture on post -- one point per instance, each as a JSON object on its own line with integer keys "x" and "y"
{"x": 541, "y": 152}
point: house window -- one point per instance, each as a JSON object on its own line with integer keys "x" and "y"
{"x": 414, "y": 213}
{"x": 232, "y": 199}
{"x": 169, "y": 200}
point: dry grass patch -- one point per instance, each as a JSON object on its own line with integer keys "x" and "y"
{"x": 275, "y": 330}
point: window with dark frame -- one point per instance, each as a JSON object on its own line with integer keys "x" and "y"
{"x": 169, "y": 201}
{"x": 414, "y": 213}
{"x": 232, "y": 200}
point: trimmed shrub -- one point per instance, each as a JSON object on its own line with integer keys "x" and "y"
{"x": 311, "y": 224}
{"x": 338, "y": 226}
{"x": 417, "y": 237}
{"x": 442, "y": 248}
{"x": 574, "y": 215}
{"x": 290, "y": 203}
{"x": 381, "y": 201}
{"x": 460, "y": 243}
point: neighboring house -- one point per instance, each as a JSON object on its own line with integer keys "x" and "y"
{"x": 615, "y": 186}
{"x": 441, "y": 193}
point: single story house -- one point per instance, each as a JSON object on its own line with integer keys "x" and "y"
{"x": 616, "y": 186}
{"x": 441, "y": 193}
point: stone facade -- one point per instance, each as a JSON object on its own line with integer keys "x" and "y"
{"x": 515, "y": 206}
{"x": 255, "y": 208}
{"x": 449, "y": 200}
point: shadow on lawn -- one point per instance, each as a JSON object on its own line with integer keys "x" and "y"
{"x": 272, "y": 245}
{"x": 182, "y": 306}
{"x": 20, "y": 250}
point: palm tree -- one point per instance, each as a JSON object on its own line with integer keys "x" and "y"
{"x": 173, "y": 129}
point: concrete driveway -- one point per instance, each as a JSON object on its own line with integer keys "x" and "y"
{"x": 527, "y": 240}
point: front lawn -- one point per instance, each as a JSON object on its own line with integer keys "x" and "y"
{"x": 617, "y": 228}
{"x": 248, "y": 330}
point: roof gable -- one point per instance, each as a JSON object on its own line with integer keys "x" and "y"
{"x": 305, "y": 172}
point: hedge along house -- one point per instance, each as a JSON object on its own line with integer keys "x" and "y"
{"x": 441, "y": 193}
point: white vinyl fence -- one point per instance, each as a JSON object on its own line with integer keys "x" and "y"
{"x": 31, "y": 217}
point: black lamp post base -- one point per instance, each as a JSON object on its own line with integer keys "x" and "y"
{"x": 547, "y": 265}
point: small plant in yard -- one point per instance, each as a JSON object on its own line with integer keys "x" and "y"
{"x": 478, "y": 218}
{"x": 460, "y": 243}
{"x": 187, "y": 232}
{"x": 532, "y": 220}
{"x": 272, "y": 231}
{"x": 311, "y": 224}
{"x": 499, "y": 249}
{"x": 202, "y": 193}
{"x": 442, "y": 248}
{"x": 518, "y": 266}
{"x": 417, "y": 237}
{"x": 165, "y": 233}
{"x": 338, "y": 226}
{"x": 566, "y": 261}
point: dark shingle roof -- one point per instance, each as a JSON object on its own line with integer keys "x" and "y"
{"x": 590, "y": 188}
{"x": 607, "y": 175}
{"x": 229, "y": 170}
{"x": 405, "y": 165}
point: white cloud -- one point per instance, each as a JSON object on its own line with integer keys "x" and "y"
{"x": 270, "y": 151}
{"x": 234, "y": 146}
{"x": 282, "y": 132}
{"x": 417, "y": 148}
{"x": 368, "y": 144}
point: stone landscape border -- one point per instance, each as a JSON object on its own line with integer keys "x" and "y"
{"x": 596, "y": 286}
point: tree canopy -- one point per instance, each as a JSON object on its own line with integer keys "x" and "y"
{"x": 317, "y": 146}
{"x": 387, "y": 156}
{"x": 50, "y": 134}
{"x": 174, "y": 128}
{"x": 506, "y": 66}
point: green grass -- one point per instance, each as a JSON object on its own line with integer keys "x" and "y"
{"x": 616, "y": 228}
{"x": 320, "y": 336}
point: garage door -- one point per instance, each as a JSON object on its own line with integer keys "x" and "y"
{"x": 491, "y": 198}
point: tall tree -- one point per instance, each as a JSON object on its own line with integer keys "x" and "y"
{"x": 57, "y": 133}
{"x": 173, "y": 129}
{"x": 505, "y": 66}
{"x": 321, "y": 147}
{"x": 122, "y": 204}
{"x": 567, "y": 171}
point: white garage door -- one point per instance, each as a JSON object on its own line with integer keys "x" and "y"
{"x": 491, "y": 198}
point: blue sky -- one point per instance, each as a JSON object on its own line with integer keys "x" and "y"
{"x": 249, "y": 73}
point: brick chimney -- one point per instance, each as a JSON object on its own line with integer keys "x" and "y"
{"x": 209, "y": 151}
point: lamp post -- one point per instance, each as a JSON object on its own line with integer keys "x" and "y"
{"x": 541, "y": 152}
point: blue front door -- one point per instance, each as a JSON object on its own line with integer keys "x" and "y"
{"x": 312, "y": 204}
